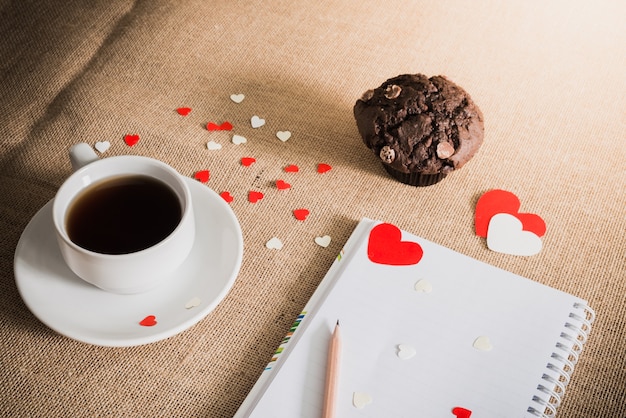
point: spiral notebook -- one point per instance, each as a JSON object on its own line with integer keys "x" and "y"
{"x": 427, "y": 332}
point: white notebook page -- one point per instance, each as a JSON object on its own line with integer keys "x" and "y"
{"x": 378, "y": 309}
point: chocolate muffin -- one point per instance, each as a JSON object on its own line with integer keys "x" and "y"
{"x": 421, "y": 128}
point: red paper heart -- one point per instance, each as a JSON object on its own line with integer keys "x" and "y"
{"x": 282, "y": 185}
{"x": 254, "y": 196}
{"x": 322, "y": 168}
{"x": 292, "y": 168}
{"x": 225, "y": 126}
{"x": 227, "y": 196}
{"x": 385, "y": 246}
{"x": 461, "y": 412}
{"x": 247, "y": 161}
{"x": 301, "y": 214}
{"x": 183, "y": 111}
{"x": 148, "y": 321}
{"x": 501, "y": 201}
{"x": 202, "y": 176}
{"x": 131, "y": 140}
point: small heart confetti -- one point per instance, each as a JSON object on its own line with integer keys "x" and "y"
{"x": 274, "y": 244}
{"x": 323, "y": 168}
{"x": 405, "y": 351}
{"x": 461, "y": 412}
{"x": 183, "y": 111}
{"x": 202, "y": 176}
{"x": 131, "y": 140}
{"x": 423, "y": 286}
{"x": 292, "y": 168}
{"x": 237, "y": 98}
{"x": 301, "y": 214}
{"x": 213, "y": 146}
{"x": 103, "y": 146}
{"x": 148, "y": 321}
{"x": 254, "y": 196}
{"x": 193, "y": 303}
{"x": 282, "y": 185}
{"x": 257, "y": 122}
{"x": 238, "y": 140}
{"x": 283, "y": 135}
{"x": 482, "y": 343}
{"x": 505, "y": 235}
{"x": 225, "y": 126}
{"x": 361, "y": 399}
{"x": 227, "y": 196}
{"x": 248, "y": 161}
{"x": 323, "y": 241}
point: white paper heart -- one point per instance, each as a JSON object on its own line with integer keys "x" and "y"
{"x": 405, "y": 351}
{"x": 238, "y": 140}
{"x": 482, "y": 343}
{"x": 423, "y": 286}
{"x": 323, "y": 241}
{"x": 102, "y": 146}
{"x": 193, "y": 303}
{"x": 237, "y": 98}
{"x": 274, "y": 244}
{"x": 361, "y": 399}
{"x": 505, "y": 235}
{"x": 212, "y": 145}
{"x": 257, "y": 122}
{"x": 283, "y": 135}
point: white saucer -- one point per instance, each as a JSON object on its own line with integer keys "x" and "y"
{"x": 78, "y": 310}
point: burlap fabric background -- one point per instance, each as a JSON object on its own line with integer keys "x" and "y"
{"x": 549, "y": 77}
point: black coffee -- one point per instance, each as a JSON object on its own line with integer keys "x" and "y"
{"x": 123, "y": 215}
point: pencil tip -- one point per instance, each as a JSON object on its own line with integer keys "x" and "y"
{"x": 337, "y": 322}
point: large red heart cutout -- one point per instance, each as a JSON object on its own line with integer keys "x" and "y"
{"x": 385, "y": 246}
{"x": 501, "y": 201}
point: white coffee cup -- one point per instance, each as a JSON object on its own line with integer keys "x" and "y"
{"x": 132, "y": 272}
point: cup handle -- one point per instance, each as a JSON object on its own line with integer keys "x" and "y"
{"x": 82, "y": 154}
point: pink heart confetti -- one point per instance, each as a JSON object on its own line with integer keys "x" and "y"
{"x": 183, "y": 111}
{"x": 292, "y": 168}
{"x": 202, "y": 176}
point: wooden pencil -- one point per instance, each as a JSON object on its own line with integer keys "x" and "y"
{"x": 332, "y": 374}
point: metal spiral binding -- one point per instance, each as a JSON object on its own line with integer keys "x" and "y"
{"x": 567, "y": 354}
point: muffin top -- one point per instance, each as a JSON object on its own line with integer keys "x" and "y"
{"x": 416, "y": 124}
